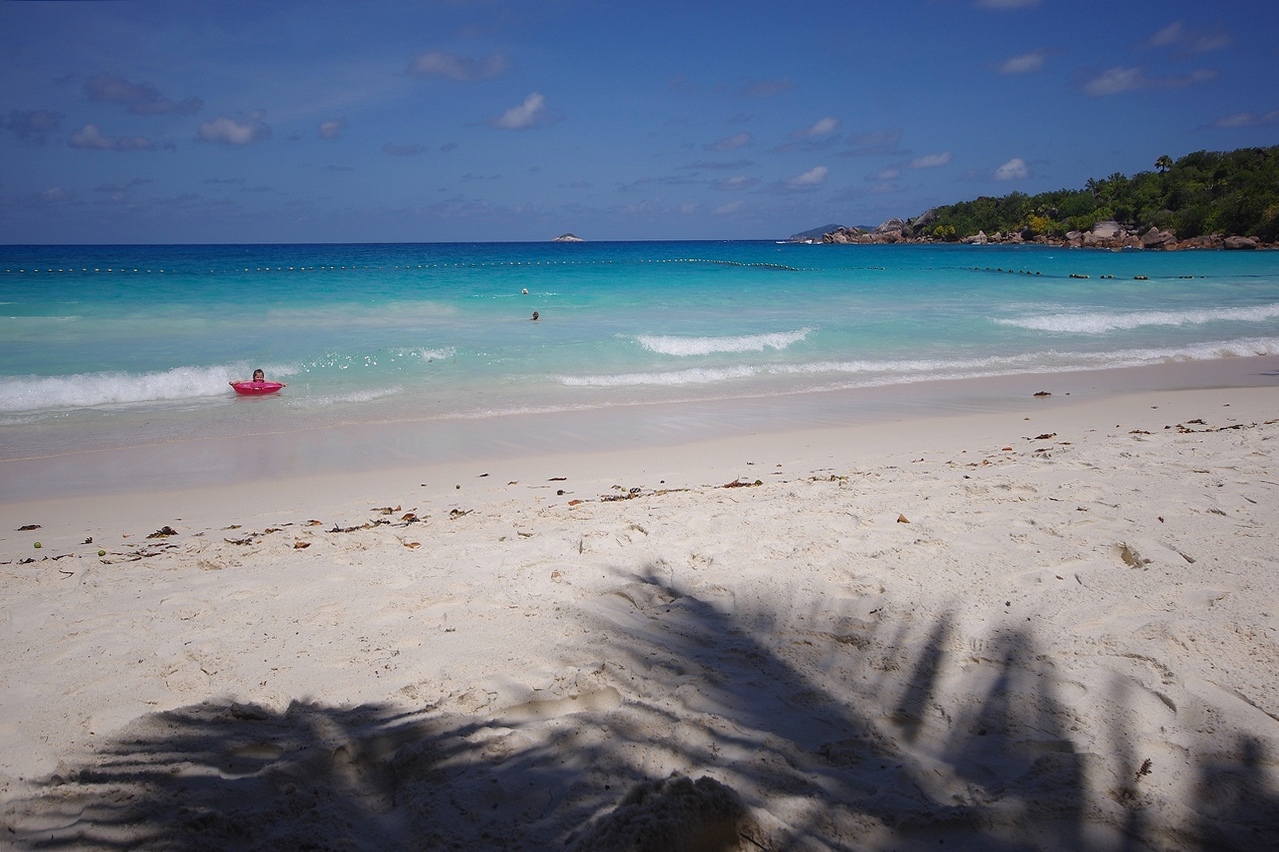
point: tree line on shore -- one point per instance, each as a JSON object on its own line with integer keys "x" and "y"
{"x": 1205, "y": 193}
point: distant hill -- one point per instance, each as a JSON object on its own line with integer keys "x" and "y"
{"x": 1232, "y": 193}
{"x": 812, "y": 234}
{"x": 1206, "y": 199}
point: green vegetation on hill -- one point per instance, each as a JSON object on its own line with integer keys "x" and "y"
{"x": 1207, "y": 192}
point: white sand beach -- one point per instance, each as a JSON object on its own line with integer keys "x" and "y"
{"x": 1048, "y": 625}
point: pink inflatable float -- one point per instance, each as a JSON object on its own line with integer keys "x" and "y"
{"x": 256, "y": 388}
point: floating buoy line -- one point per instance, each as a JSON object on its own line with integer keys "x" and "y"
{"x": 1076, "y": 275}
{"x": 409, "y": 266}
{"x": 508, "y": 264}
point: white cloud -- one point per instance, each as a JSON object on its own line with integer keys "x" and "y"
{"x": 1170, "y": 34}
{"x": 931, "y": 161}
{"x": 1014, "y": 169}
{"x": 730, "y": 207}
{"x": 728, "y": 165}
{"x": 819, "y": 128}
{"x": 736, "y": 182}
{"x": 142, "y": 98}
{"x": 886, "y": 174}
{"x": 530, "y": 113}
{"x": 1177, "y": 35}
{"x": 332, "y": 129}
{"x": 1026, "y": 63}
{"x": 876, "y": 143}
{"x": 32, "y": 126}
{"x": 731, "y": 143}
{"x": 1247, "y": 119}
{"x": 228, "y": 131}
{"x": 1116, "y": 80}
{"x": 461, "y": 69}
{"x": 765, "y": 88}
{"x": 815, "y": 176}
{"x": 90, "y": 137}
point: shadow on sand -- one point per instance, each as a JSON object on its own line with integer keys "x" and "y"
{"x": 821, "y": 729}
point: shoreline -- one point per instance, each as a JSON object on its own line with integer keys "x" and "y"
{"x": 366, "y": 448}
{"x": 524, "y": 473}
{"x": 981, "y": 618}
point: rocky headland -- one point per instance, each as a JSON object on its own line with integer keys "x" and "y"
{"x": 1103, "y": 235}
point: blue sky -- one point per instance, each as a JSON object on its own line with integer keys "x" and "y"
{"x": 131, "y": 121}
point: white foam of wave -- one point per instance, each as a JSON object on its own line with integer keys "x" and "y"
{"x": 694, "y": 376}
{"x": 686, "y": 346}
{"x": 1102, "y": 322}
{"x": 86, "y": 390}
{"x": 908, "y": 370}
{"x": 441, "y": 354}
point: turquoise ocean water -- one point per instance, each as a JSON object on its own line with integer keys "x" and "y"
{"x": 143, "y": 339}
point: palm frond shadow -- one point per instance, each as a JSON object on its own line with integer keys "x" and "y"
{"x": 828, "y": 726}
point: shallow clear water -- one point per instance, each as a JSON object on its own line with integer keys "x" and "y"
{"x": 93, "y": 337}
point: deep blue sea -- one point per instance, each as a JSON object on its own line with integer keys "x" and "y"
{"x": 123, "y": 335}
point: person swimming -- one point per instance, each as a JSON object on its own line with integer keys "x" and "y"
{"x": 259, "y": 377}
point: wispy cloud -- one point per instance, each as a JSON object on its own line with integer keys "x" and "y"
{"x": 141, "y": 98}
{"x": 660, "y": 180}
{"x": 1025, "y": 63}
{"x": 875, "y": 144}
{"x": 737, "y": 182}
{"x": 1178, "y": 35}
{"x": 731, "y": 207}
{"x": 1113, "y": 81}
{"x": 758, "y": 88}
{"x": 461, "y": 69}
{"x": 332, "y": 128}
{"x": 229, "y": 131}
{"x": 1247, "y": 119}
{"x": 816, "y": 136}
{"x": 931, "y": 161}
{"x": 821, "y": 127}
{"x": 731, "y": 143}
{"x": 117, "y": 192}
{"x": 91, "y": 138}
{"x": 810, "y": 179}
{"x": 50, "y": 197}
{"x": 1006, "y": 4}
{"x": 32, "y": 127}
{"x": 530, "y": 113}
{"x": 1014, "y": 169}
{"x": 765, "y": 88}
{"x": 121, "y": 187}
{"x": 1169, "y": 35}
{"x": 729, "y": 165}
